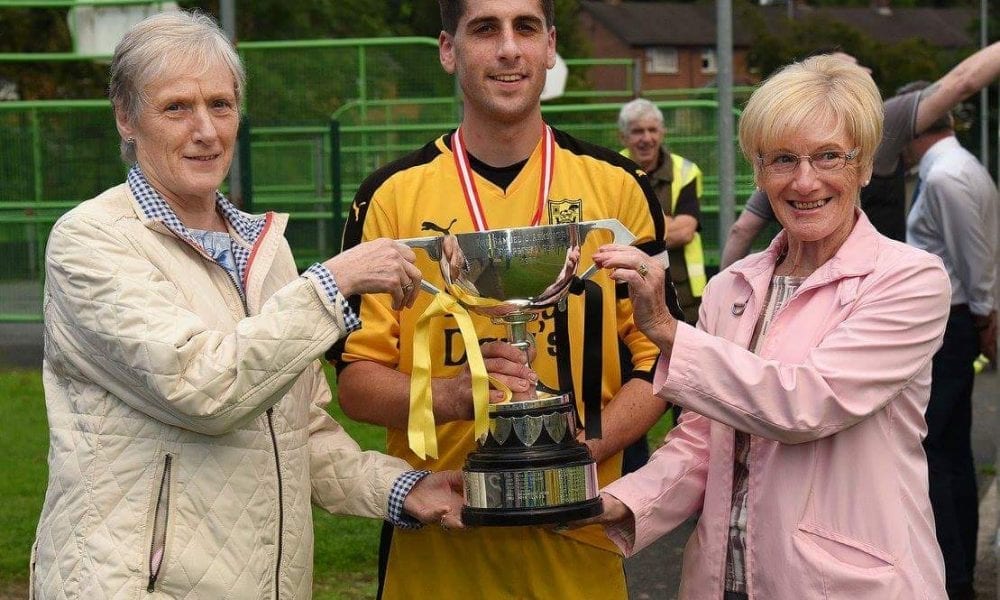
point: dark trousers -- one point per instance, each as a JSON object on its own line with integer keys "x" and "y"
{"x": 949, "y": 448}
{"x": 636, "y": 454}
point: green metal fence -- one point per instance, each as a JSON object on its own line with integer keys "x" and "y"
{"x": 53, "y": 155}
{"x": 293, "y": 89}
{"x": 323, "y": 114}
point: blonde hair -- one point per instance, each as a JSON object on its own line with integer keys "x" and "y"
{"x": 157, "y": 44}
{"x": 806, "y": 93}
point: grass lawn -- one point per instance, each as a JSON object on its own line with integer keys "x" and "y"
{"x": 23, "y": 447}
{"x": 346, "y": 547}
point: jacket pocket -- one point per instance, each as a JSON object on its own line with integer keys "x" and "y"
{"x": 837, "y": 567}
{"x": 845, "y": 549}
{"x": 161, "y": 514}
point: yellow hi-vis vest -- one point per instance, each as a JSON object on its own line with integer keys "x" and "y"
{"x": 684, "y": 171}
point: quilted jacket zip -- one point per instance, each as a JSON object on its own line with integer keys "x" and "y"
{"x": 281, "y": 503}
{"x": 158, "y": 543}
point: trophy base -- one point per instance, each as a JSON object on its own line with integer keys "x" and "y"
{"x": 506, "y": 487}
{"x": 533, "y": 516}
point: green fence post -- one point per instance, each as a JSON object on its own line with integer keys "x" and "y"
{"x": 36, "y": 154}
{"x": 35, "y": 254}
{"x": 337, "y": 203}
{"x": 246, "y": 176}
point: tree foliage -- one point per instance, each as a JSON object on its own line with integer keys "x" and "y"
{"x": 892, "y": 65}
{"x": 46, "y": 30}
{"x": 316, "y": 19}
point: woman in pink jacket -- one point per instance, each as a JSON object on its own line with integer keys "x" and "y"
{"x": 806, "y": 380}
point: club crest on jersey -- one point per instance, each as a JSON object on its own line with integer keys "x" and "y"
{"x": 565, "y": 211}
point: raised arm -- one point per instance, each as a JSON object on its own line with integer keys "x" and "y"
{"x": 743, "y": 232}
{"x": 755, "y": 216}
{"x": 967, "y": 78}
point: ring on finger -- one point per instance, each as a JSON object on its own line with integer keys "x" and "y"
{"x": 642, "y": 270}
{"x": 443, "y": 524}
{"x": 407, "y": 288}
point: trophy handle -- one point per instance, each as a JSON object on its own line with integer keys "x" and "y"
{"x": 432, "y": 246}
{"x": 621, "y": 233}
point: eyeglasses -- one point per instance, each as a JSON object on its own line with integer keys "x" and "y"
{"x": 783, "y": 163}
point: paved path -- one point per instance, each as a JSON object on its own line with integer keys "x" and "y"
{"x": 21, "y": 345}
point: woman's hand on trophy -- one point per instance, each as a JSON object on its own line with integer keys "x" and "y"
{"x": 615, "y": 514}
{"x": 381, "y": 265}
{"x": 437, "y": 498}
{"x": 646, "y": 280}
{"x": 615, "y": 511}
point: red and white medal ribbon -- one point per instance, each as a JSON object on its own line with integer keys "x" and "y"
{"x": 466, "y": 178}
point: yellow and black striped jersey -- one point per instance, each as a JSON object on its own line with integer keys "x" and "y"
{"x": 421, "y": 195}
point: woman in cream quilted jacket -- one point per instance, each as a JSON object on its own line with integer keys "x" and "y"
{"x": 184, "y": 393}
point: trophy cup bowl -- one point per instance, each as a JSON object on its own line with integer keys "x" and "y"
{"x": 529, "y": 468}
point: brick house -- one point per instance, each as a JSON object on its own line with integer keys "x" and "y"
{"x": 673, "y": 44}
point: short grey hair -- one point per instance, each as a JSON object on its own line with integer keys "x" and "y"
{"x": 154, "y": 45}
{"x": 637, "y": 109}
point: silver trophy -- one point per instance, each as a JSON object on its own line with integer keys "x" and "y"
{"x": 528, "y": 468}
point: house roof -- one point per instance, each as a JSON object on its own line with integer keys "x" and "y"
{"x": 676, "y": 24}
{"x": 660, "y": 23}
{"x": 943, "y": 27}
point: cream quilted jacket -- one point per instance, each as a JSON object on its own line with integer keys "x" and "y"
{"x": 187, "y": 431}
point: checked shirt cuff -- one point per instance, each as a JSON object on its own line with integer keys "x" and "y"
{"x": 326, "y": 280}
{"x": 400, "y": 488}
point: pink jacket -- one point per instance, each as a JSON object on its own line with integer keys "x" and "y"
{"x": 837, "y": 502}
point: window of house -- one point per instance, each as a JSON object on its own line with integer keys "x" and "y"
{"x": 661, "y": 59}
{"x": 708, "y": 64}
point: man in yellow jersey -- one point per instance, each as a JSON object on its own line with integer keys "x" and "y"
{"x": 515, "y": 171}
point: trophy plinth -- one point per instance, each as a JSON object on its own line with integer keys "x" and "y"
{"x": 528, "y": 468}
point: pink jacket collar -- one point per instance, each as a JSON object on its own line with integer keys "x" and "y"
{"x": 855, "y": 257}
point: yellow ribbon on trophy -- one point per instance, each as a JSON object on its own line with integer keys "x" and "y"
{"x": 420, "y": 428}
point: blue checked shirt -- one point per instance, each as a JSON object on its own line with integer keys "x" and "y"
{"x": 234, "y": 259}
{"x": 248, "y": 227}
{"x": 400, "y": 488}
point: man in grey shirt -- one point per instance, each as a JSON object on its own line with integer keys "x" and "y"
{"x": 906, "y": 116}
{"x": 954, "y": 216}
